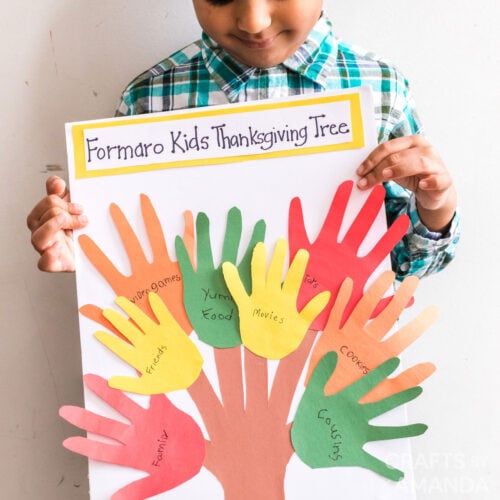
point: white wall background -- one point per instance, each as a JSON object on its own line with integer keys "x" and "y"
{"x": 69, "y": 60}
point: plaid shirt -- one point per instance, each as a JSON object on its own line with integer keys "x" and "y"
{"x": 203, "y": 74}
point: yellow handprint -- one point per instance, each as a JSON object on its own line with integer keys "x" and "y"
{"x": 270, "y": 324}
{"x": 161, "y": 352}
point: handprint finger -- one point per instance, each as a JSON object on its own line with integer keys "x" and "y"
{"x": 380, "y": 433}
{"x": 382, "y": 323}
{"x": 188, "y": 236}
{"x": 92, "y": 422}
{"x": 379, "y": 467}
{"x": 154, "y": 230}
{"x": 258, "y": 270}
{"x": 376, "y": 409}
{"x": 275, "y": 272}
{"x": 333, "y": 220}
{"x": 365, "y": 218}
{"x": 96, "y": 450}
{"x": 297, "y": 234}
{"x": 366, "y": 383}
{"x": 101, "y": 262}
{"x": 411, "y": 331}
{"x": 131, "y": 243}
{"x": 295, "y": 274}
{"x": 119, "y": 347}
{"x": 234, "y": 226}
{"x": 126, "y": 327}
{"x": 140, "y": 318}
{"x": 411, "y": 377}
{"x": 258, "y": 235}
{"x": 205, "y": 260}
{"x": 314, "y": 307}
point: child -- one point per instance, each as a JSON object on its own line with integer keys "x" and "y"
{"x": 258, "y": 49}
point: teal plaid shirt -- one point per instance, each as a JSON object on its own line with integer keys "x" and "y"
{"x": 203, "y": 74}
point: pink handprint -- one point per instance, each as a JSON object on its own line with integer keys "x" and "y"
{"x": 332, "y": 260}
{"x": 161, "y": 440}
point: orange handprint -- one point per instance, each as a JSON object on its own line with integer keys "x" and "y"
{"x": 363, "y": 344}
{"x": 161, "y": 275}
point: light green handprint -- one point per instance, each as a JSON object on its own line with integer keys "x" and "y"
{"x": 209, "y": 305}
{"x": 330, "y": 431}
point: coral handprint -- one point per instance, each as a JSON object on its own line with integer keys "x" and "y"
{"x": 160, "y": 440}
{"x": 362, "y": 343}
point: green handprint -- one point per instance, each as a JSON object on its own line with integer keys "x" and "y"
{"x": 209, "y": 305}
{"x": 330, "y": 431}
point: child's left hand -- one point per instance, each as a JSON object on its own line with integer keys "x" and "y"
{"x": 414, "y": 164}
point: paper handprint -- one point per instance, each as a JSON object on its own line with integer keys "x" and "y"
{"x": 363, "y": 344}
{"x": 161, "y": 276}
{"x": 162, "y": 353}
{"x": 331, "y": 260}
{"x": 209, "y": 305}
{"x": 330, "y": 431}
{"x": 161, "y": 440}
{"x": 270, "y": 324}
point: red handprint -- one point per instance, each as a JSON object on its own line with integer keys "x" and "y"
{"x": 331, "y": 260}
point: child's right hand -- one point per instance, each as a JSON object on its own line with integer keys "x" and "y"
{"x": 51, "y": 223}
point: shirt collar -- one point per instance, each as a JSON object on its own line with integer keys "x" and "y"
{"x": 313, "y": 60}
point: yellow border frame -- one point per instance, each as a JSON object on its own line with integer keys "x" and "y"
{"x": 77, "y": 131}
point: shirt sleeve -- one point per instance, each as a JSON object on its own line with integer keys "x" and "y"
{"x": 421, "y": 252}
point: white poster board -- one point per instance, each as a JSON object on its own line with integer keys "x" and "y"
{"x": 256, "y": 157}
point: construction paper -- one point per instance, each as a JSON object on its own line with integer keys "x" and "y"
{"x": 330, "y": 431}
{"x": 208, "y": 302}
{"x": 362, "y": 344}
{"x": 249, "y": 443}
{"x": 161, "y": 275}
{"x": 161, "y": 440}
{"x": 197, "y": 159}
{"x": 332, "y": 258}
{"x": 270, "y": 324}
{"x": 161, "y": 352}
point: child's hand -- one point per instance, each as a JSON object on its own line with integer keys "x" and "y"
{"x": 414, "y": 164}
{"x": 51, "y": 223}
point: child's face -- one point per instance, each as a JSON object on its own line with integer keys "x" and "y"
{"x": 260, "y": 33}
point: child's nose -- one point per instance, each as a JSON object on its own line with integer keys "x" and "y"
{"x": 253, "y": 16}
